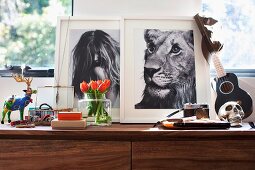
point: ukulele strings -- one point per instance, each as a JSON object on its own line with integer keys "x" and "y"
{"x": 224, "y": 85}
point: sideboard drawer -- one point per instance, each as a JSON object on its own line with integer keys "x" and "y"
{"x": 217, "y": 154}
{"x": 64, "y": 154}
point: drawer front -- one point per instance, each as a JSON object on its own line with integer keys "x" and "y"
{"x": 64, "y": 154}
{"x": 220, "y": 154}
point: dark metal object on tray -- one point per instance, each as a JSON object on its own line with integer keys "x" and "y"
{"x": 198, "y": 110}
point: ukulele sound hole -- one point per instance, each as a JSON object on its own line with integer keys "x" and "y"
{"x": 226, "y": 87}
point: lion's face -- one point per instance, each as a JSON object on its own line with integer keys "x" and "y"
{"x": 169, "y": 59}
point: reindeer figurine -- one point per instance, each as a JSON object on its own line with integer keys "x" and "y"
{"x": 17, "y": 103}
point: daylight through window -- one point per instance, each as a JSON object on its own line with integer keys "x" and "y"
{"x": 27, "y": 31}
{"x": 237, "y": 31}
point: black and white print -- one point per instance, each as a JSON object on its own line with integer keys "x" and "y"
{"x": 95, "y": 55}
{"x": 168, "y": 69}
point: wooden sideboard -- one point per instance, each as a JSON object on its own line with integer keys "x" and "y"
{"x": 126, "y": 146}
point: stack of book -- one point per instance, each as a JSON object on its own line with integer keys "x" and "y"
{"x": 69, "y": 120}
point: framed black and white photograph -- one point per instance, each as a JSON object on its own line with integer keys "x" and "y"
{"x": 163, "y": 68}
{"x": 89, "y": 49}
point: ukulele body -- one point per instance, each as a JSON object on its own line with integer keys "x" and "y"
{"x": 227, "y": 89}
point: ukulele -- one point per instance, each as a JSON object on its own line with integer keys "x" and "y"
{"x": 227, "y": 89}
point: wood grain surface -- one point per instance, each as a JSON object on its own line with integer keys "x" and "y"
{"x": 125, "y": 132}
{"x": 127, "y": 146}
{"x": 59, "y": 154}
{"x": 206, "y": 155}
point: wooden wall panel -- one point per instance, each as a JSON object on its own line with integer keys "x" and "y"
{"x": 220, "y": 155}
{"x": 64, "y": 154}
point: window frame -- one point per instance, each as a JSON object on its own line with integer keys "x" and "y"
{"x": 237, "y": 72}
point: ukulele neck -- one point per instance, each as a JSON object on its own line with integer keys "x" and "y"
{"x": 218, "y": 66}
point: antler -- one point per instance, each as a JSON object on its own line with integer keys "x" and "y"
{"x": 20, "y": 78}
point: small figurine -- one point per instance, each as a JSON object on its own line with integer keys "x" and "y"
{"x": 232, "y": 112}
{"x": 18, "y": 103}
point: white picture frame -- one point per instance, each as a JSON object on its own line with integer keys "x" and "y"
{"x": 129, "y": 25}
{"x": 64, "y": 42}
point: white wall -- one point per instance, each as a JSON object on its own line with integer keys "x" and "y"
{"x": 136, "y": 7}
{"x": 248, "y": 84}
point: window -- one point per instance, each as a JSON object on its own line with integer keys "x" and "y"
{"x": 237, "y": 33}
{"x": 27, "y": 35}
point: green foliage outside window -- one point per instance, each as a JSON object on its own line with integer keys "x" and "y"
{"x": 27, "y": 31}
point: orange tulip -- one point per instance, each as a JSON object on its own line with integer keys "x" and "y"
{"x": 93, "y": 84}
{"x": 107, "y": 83}
{"x": 104, "y": 86}
{"x": 99, "y": 82}
{"x": 84, "y": 87}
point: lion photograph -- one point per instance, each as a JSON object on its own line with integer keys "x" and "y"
{"x": 168, "y": 70}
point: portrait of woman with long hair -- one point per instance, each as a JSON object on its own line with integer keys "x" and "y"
{"x": 96, "y": 56}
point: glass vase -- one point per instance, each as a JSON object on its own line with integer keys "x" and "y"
{"x": 96, "y": 108}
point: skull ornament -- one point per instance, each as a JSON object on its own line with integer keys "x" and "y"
{"x": 232, "y": 112}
